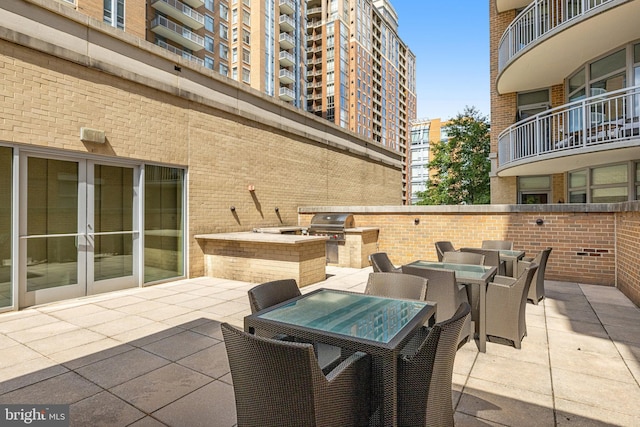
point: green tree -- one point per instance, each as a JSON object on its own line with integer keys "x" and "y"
{"x": 460, "y": 163}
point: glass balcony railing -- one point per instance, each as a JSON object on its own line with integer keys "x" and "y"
{"x": 537, "y": 20}
{"x": 600, "y": 120}
{"x": 180, "y": 52}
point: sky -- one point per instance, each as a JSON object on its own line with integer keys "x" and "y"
{"x": 450, "y": 39}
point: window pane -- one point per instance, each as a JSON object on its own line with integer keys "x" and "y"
{"x": 636, "y": 53}
{"x": 6, "y": 184}
{"x": 576, "y": 81}
{"x": 578, "y": 179}
{"x": 538, "y": 97}
{"x": 534, "y": 182}
{"x": 163, "y": 216}
{"x": 609, "y": 195}
{"x": 608, "y": 64}
{"x": 616, "y": 174}
{"x": 578, "y": 197}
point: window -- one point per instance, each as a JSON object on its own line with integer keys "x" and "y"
{"x": 532, "y": 103}
{"x": 246, "y": 2}
{"x": 246, "y": 56}
{"x": 234, "y": 35}
{"x": 208, "y": 23}
{"x": 113, "y": 13}
{"x": 208, "y": 4}
{"x": 246, "y": 37}
{"x": 208, "y": 62}
{"x": 234, "y": 73}
{"x": 246, "y": 75}
{"x": 224, "y": 12}
{"x": 604, "y": 184}
{"x": 246, "y": 17}
{"x": 234, "y": 54}
{"x": 224, "y": 70}
{"x": 224, "y": 32}
{"x": 208, "y": 43}
{"x": 534, "y": 189}
{"x": 224, "y": 52}
{"x": 234, "y": 16}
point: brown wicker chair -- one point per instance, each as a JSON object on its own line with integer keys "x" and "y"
{"x": 271, "y": 293}
{"x": 395, "y": 285}
{"x": 279, "y": 383}
{"x": 536, "y": 290}
{"x": 491, "y": 257}
{"x": 506, "y": 306}
{"x": 442, "y": 247}
{"x": 444, "y": 290}
{"x": 425, "y": 374}
{"x": 382, "y": 264}
{"x": 497, "y": 244}
{"x": 463, "y": 258}
{"x": 268, "y": 294}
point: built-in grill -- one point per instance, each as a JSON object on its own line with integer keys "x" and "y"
{"x": 333, "y": 226}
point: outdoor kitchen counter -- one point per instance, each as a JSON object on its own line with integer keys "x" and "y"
{"x": 262, "y": 257}
{"x": 360, "y": 242}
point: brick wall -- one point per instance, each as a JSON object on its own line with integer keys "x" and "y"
{"x": 583, "y": 238}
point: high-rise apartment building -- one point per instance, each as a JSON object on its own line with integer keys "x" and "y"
{"x": 424, "y": 132}
{"x": 565, "y": 101}
{"x": 339, "y": 59}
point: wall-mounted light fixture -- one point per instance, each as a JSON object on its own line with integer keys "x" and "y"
{"x": 539, "y": 221}
{"x": 416, "y": 221}
{"x": 92, "y": 135}
{"x": 251, "y": 187}
{"x": 233, "y": 208}
{"x": 277, "y": 209}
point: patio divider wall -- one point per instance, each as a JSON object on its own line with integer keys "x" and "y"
{"x": 592, "y": 243}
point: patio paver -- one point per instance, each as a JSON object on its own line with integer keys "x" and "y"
{"x": 154, "y": 357}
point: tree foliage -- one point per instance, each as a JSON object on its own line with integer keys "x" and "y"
{"x": 460, "y": 163}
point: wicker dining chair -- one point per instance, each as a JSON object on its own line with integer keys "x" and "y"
{"x": 382, "y": 264}
{"x": 443, "y": 289}
{"x": 271, "y": 293}
{"x": 507, "y": 304}
{"x": 395, "y": 285}
{"x": 442, "y": 247}
{"x": 425, "y": 374}
{"x": 491, "y": 257}
{"x": 536, "y": 290}
{"x": 463, "y": 258}
{"x": 497, "y": 244}
{"x": 279, "y": 383}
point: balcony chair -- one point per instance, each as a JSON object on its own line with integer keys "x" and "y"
{"x": 506, "y": 306}
{"x": 425, "y": 374}
{"x": 279, "y": 383}
{"x": 395, "y": 285}
{"x": 382, "y": 264}
{"x": 463, "y": 258}
{"x": 442, "y": 247}
{"x": 497, "y": 244}
{"x": 536, "y": 290}
{"x": 491, "y": 257}
{"x": 443, "y": 289}
{"x": 271, "y": 293}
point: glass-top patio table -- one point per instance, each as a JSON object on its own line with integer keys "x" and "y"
{"x": 509, "y": 257}
{"x": 375, "y": 325}
{"x": 467, "y": 274}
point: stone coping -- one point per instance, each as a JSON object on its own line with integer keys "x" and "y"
{"x": 252, "y": 237}
{"x": 470, "y": 209}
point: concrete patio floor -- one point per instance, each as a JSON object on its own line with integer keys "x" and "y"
{"x": 155, "y": 356}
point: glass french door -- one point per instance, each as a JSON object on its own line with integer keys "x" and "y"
{"x": 78, "y": 228}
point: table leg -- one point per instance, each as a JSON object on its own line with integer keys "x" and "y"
{"x": 482, "y": 319}
{"x": 389, "y": 415}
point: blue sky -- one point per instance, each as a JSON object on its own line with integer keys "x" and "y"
{"x": 450, "y": 39}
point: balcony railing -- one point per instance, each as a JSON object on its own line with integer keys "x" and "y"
{"x": 181, "y": 12}
{"x": 180, "y": 52}
{"x": 600, "y": 120}
{"x": 538, "y": 19}
{"x": 177, "y": 33}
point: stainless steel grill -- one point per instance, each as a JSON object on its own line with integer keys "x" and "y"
{"x": 333, "y": 226}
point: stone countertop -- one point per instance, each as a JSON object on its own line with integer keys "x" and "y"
{"x": 250, "y": 236}
{"x": 279, "y": 230}
{"x": 360, "y": 229}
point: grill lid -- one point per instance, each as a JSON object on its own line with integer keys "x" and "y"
{"x": 331, "y": 221}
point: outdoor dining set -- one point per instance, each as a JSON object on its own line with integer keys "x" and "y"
{"x": 385, "y": 356}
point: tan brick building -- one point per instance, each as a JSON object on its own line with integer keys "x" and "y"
{"x": 565, "y": 101}
{"x": 114, "y": 153}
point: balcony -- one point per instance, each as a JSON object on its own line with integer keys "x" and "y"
{"x": 194, "y": 3}
{"x": 181, "y": 35}
{"x": 286, "y": 59}
{"x": 314, "y": 12}
{"x": 504, "y": 5}
{"x": 287, "y": 6}
{"x": 179, "y": 52}
{"x": 287, "y": 76}
{"x": 180, "y": 12}
{"x": 286, "y": 94}
{"x": 287, "y": 23}
{"x": 287, "y": 41}
{"x": 573, "y": 30}
{"x": 596, "y": 130}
